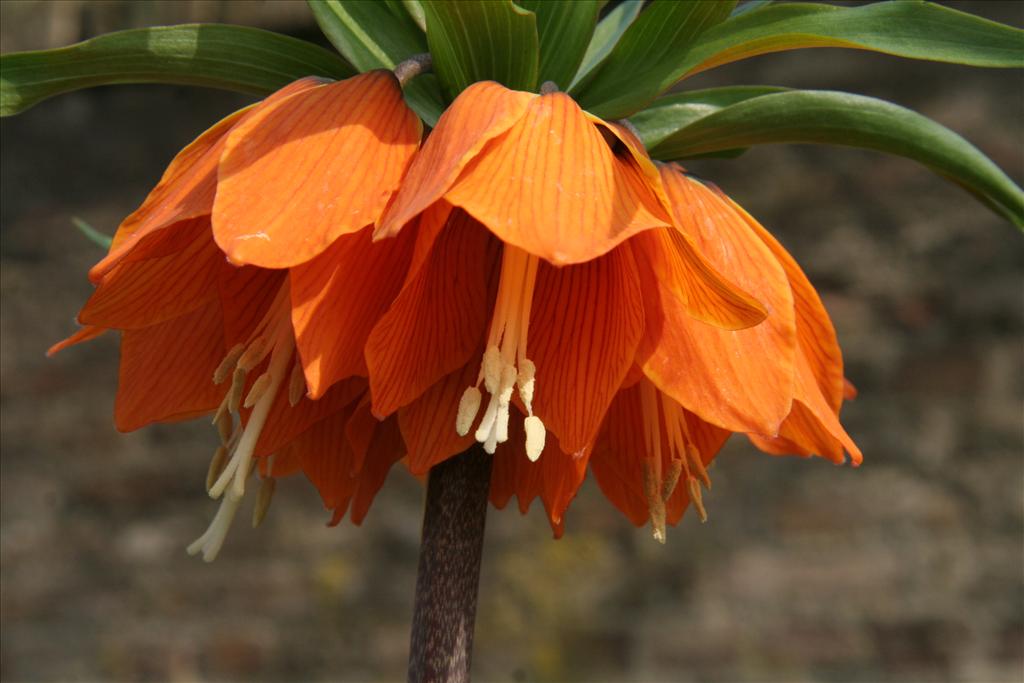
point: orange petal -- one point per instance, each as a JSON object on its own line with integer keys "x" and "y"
{"x": 552, "y": 186}
{"x": 480, "y": 113}
{"x": 586, "y": 323}
{"x": 812, "y": 428}
{"x": 187, "y": 187}
{"x": 139, "y": 293}
{"x": 740, "y": 380}
{"x": 83, "y": 335}
{"x": 282, "y": 464}
{"x": 325, "y": 459}
{"x": 285, "y": 422}
{"x": 555, "y": 477}
{"x": 167, "y": 369}
{"x": 816, "y": 335}
{"x": 428, "y": 423}
{"x": 338, "y": 297}
{"x": 849, "y": 391}
{"x": 300, "y": 173}
{"x": 245, "y": 294}
{"x": 385, "y": 450}
{"x": 617, "y": 461}
{"x": 438, "y": 319}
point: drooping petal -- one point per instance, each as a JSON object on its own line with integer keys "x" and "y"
{"x": 82, "y": 335}
{"x": 438, "y": 319}
{"x": 246, "y": 294}
{"x": 139, "y": 293}
{"x": 480, "y": 113}
{"x": 555, "y": 477}
{"x": 285, "y": 422}
{"x": 740, "y": 380}
{"x": 428, "y": 423}
{"x": 338, "y": 297}
{"x": 167, "y": 369}
{"x": 300, "y": 173}
{"x": 617, "y": 461}
{"x": 385, "y": 450}
{"x": 552, "y": 186}
{"x": 812, "y": 428}
{"x": 324, "y": 457}
{"x": 187, "y": 187}
{"x": 586, "y": 323}
{"x": 815, "y": 333}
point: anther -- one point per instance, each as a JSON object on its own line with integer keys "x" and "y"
{"x": 469, "y": 406}
{"x": 259, "y": 387}
{"x": 227, "y": 365}
{"x": 296, "y": 384}
{"x": 217, "y": 465}
{"x": 225, "y": 426}
{"x": 257, "y": 351}
{"x": 266, "y": 494}
{"x": 695, "y": 498}
{"x": 668, "y": 486}
{"x": 237, "y": 387}
{"x": 655, "y": 505}
{"x": 536, "y": 435}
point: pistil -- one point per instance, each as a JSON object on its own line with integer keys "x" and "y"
{"x": 505, "y": 366}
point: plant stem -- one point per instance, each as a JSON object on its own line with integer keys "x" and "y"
{"x": 441, "y": 647}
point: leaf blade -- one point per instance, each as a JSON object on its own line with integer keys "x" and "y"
{"x": 564, "y": 28}
{"x": 644, "y": 63}
{"x": 476, "y": 41}
{"x": 916, "y": 30}
{"x": 838, "y": 118}
{"x": 211, "y": 55}
{"x": 607, "y": 33}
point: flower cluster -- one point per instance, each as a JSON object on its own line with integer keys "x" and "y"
{"x": 341, "y": 294}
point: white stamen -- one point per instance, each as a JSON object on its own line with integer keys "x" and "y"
{"x": 535, "y": 437}
{"x": 469, "y": 406}
{"x": 212, "y": 539}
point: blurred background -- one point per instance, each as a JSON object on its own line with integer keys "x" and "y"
{"x": 908, "y": 569}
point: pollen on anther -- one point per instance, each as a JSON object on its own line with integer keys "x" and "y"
{"x": 469, "y": 406}
{"x": 535, "y": 437}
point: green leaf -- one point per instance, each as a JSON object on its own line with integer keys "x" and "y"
{"x": 212, "y": 55}
{"x": 565, "y": 28}
{"x": 918, "y": 30}
{"x": 837, "y": 118}
{"x": 480, "y": 41}
{"x": 91, "y": 233}
{"x": 380, "y": 35}
{"x": 643, "y": 64}
{"x": 668, "y": 115}
{"x": 606, "y": 35}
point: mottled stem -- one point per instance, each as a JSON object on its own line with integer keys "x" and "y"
{"x": 449, "y": 570}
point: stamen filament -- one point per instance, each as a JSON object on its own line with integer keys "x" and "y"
{"x": 504, "y": 365}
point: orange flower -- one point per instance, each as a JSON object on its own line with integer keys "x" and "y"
{"x": 552, "y": 194}
{"x": 660, "y": 317}
{"x": 188, "y": 316}
{"x": 670, "y": 424}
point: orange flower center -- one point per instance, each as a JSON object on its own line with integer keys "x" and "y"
{"x": 233, "y": 462}
{"x": 670, "y": 453}
{"x": 505, "y": 366}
